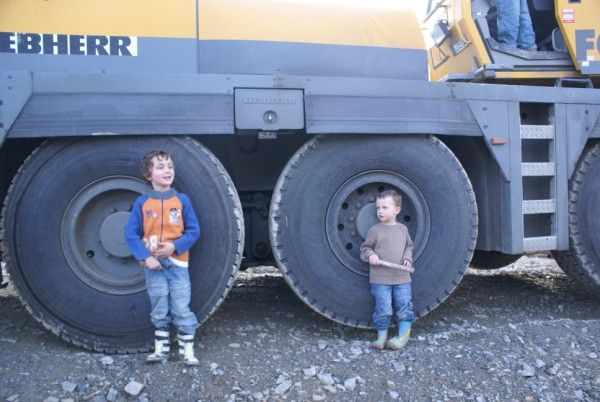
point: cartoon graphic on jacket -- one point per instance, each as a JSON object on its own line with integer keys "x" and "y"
{"x": 162, "y": 217}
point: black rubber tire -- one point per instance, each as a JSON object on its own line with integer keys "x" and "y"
{"x": 582, "y": 261}
{"x": 301, "y": 199}
{"x": 32, "y": 218}
{"x": 492, "y": 259}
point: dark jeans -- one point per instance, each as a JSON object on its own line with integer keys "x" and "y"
{"x": 386, "y": 296}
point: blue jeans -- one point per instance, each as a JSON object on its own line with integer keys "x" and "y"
{"x": 514, "y": 24}
{"x": 169, "y": 291}
{"x": 386, "y": 295}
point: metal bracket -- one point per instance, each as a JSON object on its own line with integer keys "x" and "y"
{"x": 492, "y": 118}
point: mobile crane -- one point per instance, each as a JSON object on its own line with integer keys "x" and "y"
{"x": 286, "y": 118}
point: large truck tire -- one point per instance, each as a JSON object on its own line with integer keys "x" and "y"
{"x": 492, "y": 259}
{"x": 324, "y": 202}
{"x": 62, "y": 237}
{"x": 582, "y": 261}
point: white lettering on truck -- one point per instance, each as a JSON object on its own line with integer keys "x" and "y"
{"x": 56, "y": 44}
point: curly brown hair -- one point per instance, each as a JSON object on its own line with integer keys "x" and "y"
{"x": 147, "y": 165}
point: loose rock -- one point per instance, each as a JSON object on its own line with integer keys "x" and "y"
{"x": 107, "y": 360}
{"x": 326, "y": 378}
{"x": 111, "y": 395}
{"x": 68, "y": 386}
{"x": 350, "y": 384}
{"x": 134, "y": 388}
{"x": 283, "y": 387}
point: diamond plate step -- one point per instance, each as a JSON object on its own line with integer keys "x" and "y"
{"x": 539, "y": 243}
{"x": 529, "y": 132}
{"x": 538, "y": 169}
{"x": 539, "y": 207}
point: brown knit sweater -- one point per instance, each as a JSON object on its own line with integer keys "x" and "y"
{"x": 390, "y": 243}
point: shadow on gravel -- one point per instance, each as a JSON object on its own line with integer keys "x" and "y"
{"x": 262, "y": 294}
{"x": 491, "y": 298}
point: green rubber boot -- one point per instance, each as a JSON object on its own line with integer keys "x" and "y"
{"x": 379, "y": 343}
{"x": 400, "y": 340}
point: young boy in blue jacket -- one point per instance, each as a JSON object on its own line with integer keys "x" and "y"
{"x": 161, "y": 229}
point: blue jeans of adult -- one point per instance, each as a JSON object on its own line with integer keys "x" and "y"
{"x": 514, "y": 24}
{"x": 392, "y": 300}
{"x": 169, "y": 291}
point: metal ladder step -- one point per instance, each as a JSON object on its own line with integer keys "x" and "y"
{"x": 530, "y": 132}
{"x": 539, "y": 207}
{"x": 539, "y": 243}
{"x": 538, "y": 169}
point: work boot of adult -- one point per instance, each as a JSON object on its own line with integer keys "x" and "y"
{"x": 399, "y": 341}
{"x": 379, "y": 343}
{"x": 162, "y": 346}
{"x": 186, "y": 349}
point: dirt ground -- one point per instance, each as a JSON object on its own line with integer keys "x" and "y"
{"x": 522, "y": 333}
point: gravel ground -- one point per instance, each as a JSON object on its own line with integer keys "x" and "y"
{"x": 522, "y": 333}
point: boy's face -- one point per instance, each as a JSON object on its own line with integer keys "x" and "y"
{"x": 163, "y": 173}
{"x": 387, "y": 210}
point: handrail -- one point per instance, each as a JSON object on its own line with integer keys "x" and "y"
{"x": 439, "y": 4}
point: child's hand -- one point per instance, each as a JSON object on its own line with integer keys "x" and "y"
{"x": 374, "y": 260}
{"x": 165, "y": 249}
{"x": 406, "y": 262}
{"x": 152, "y": 263}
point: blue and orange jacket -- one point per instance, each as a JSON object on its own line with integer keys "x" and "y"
{"x": 162, "y": 217}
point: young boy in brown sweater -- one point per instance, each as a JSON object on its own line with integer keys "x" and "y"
{"x": 389, "y": 241}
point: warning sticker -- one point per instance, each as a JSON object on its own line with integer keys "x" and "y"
{"x": 568, "y": 15}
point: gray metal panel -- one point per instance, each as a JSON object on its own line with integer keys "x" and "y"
{"x": 492, "y": 118}
{"x": 269, "y": 109}
{"x": 333, "y": 104}
{"x": 15, "y": 90}
{"x": 160, "y": 84}
{"x": 530, "y": 93}
{"x": 347, "y": 86}
{"x": 580, "y": 120}
{"x": 512, "y": 217}
{"x": 326, "y": 86}
{"x": 288, "y": 58}
{"x": 155, "y": 55}
{"x": 596, "y": 129}
{"x": 112, "y": 114}
{"x": 346, "y": 114}
{"x": 561, "y": 180}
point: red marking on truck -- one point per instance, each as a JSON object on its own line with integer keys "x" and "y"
{"x": 568, "y": 15}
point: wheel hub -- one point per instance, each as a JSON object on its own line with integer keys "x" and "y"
{"x": 92, "y": 234}
{"x": 112, "y": 234}
{"x": 352, "y": 212}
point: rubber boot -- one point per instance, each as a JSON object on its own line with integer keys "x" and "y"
{"x": 162, "y": 346}
{"x": 186, "y": 349}
{"x": 379, "y": 343}
{"x": 400, "y": 340}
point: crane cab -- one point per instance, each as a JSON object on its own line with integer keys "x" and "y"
{"x": 463, "y": 44}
